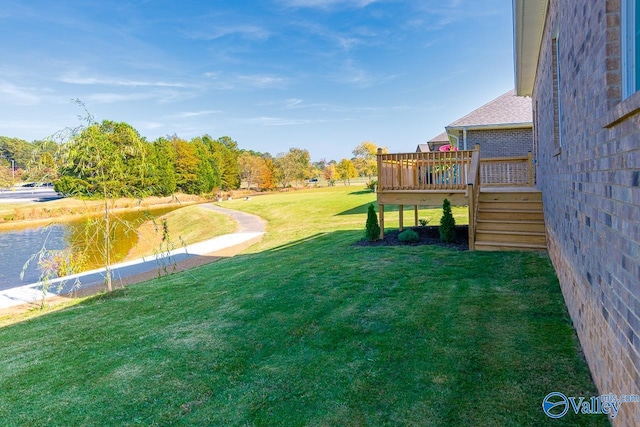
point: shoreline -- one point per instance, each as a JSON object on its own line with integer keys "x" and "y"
{"x": 93, "y": 208}
{"x": 250, "y": 230}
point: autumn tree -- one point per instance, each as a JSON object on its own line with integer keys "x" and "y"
{"x": 267, "y": 180}
{"x": 365, "y": 160}
{"x": 293, "y": 166}
{"x": 345, "y": 170}
{"x": 251, "y": 167}
{"x": 330, "y": 173}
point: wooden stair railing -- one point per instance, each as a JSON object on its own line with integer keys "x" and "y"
{"x": 473, "y": 193}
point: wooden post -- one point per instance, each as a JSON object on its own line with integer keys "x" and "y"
{"x": 379, "y": 159}
{"x": 381, "y": 221}
{"x": 416, "y": 215}
{"x": 472, "y": 219}
{"x": 401, "y": 216}
{"x": 530, "y": 169}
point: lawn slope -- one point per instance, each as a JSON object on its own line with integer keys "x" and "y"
{"x": 307, "y": 330}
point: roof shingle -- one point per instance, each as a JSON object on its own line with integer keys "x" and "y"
{"x": 506, "y": 109}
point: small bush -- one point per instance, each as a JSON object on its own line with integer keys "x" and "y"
{"x": 371, "y": 185}
{"x": 372, "y": 231}
{"x": 447, "y": 224}
{"x": 408, "y": 236}
{"x": 423, "y": 221}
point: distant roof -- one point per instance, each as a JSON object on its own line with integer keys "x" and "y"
{"x": 503, "y": 111}
{"x": 443, "y": 137}
{"x": 423, "y": 148}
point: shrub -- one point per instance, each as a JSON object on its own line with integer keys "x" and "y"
{"x": 408, "y": 236}
{"x": 423, "y": 221}
{"x": 371, "y": 185}
{"x": 447, "y": 224}
{"x": 372, "y": 231}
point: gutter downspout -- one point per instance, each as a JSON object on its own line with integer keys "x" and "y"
{"x": 464, "y": 137}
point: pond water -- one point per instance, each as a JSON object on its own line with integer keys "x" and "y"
{"x": 85, "y": 237}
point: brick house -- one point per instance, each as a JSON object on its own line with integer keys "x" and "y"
{"x": 502, "y": 128}
{"x": 580, "y": 62}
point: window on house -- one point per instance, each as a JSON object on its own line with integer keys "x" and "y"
{"x": 630, "y": 20}
{"x": 557, "y": 104}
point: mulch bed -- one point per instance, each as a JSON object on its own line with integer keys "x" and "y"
{"x": 429, "y": 235}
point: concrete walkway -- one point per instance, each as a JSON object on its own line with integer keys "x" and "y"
{"x": 250, "y": 229}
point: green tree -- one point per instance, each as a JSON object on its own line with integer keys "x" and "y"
{"x": 225, "y": 151}
{"x": 164, "y": 158}
{"x": 447, "y": 223}
{"x": 186, "y": 166}
{"x": 372, "y": 229}
{"x": 208, "y": 169}
{"x": 18, "y": 150}
{"x": 107, "y": 160}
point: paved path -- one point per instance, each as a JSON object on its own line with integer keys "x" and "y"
{"x": 250, "y": 229}
{"x": 28, "y": 194}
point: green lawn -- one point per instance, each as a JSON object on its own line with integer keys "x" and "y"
{"x": 306, "y": 329}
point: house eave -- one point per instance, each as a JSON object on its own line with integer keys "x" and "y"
{"x": 529, "y": 18}
{"x": 496, "y": 126}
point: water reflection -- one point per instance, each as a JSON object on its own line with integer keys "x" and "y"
{"x": 84, "y": 237}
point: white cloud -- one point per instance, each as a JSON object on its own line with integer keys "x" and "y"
{"x": 251, "y": 32}
{"x": 19, "y": 95}
{"x": 281, "y": 121}
{"x": 190, "y": 114}
{"x": 298, "y": 104}
{"x": 326, "y": 4}
{"x": 109, "y": 97}
{"x": 244, "y": 81}
{"x": 74, "y": 79}
{"x": 353, "y": 75}
{"x": 149, "y": 125}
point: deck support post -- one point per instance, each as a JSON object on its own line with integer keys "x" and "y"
{"x": 401, "y": 216}
{"x": 381, "y": 221}
{"x": 530, "y": 169}
{"x": 415, "y": 213}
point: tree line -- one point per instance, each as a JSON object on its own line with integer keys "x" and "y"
{"x": 111, "y": 159}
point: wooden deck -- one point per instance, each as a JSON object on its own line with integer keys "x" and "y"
{"x": 495, "y": 191}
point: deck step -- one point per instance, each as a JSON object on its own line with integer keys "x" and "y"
{"x": 512, "y": 237}
{"x": 503, "y": 246}
{"x": 533, "y": 196}
{"x": 510, "y": 220}
{"x": 510, "y": 225}
{"x": 511, "y": 205}
{"x": 510, "y": 214}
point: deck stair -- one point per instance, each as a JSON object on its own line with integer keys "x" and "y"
{"x": 510, "y": 220}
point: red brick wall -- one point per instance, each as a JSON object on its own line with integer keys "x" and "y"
{"x": 591, "y": 190}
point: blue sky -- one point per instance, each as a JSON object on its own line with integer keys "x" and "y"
{"x": 323, "y": 75}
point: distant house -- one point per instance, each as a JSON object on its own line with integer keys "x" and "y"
{"x": 580, "y": 63}
{"x": 502, "y": 128}
{"x": 434, "y": 144}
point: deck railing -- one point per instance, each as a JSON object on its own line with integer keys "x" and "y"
{"x": 424, "y": 171}
{"x": 507, "y": 171}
